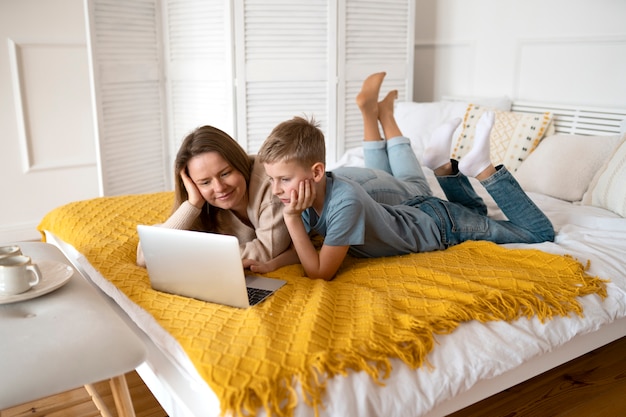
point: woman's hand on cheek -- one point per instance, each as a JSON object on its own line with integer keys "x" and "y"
{"x": 193, "y": 194}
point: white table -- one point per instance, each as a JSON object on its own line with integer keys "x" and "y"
{"x": 65, "y": 339}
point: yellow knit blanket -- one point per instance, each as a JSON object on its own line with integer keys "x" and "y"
{"x": 311, "y": 330}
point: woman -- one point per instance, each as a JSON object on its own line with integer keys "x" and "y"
{"x": 220, "y": 189}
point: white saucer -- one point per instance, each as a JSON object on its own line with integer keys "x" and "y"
{"x": 54, "y": 275}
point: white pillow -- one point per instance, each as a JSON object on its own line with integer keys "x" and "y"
{"x": 608, "y": 189}
{"x": 562, "y": 166}
{"x": 417, "y": 121}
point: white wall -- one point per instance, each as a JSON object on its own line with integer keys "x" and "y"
{"x": 47, "y": 142}
{"x": 557, "y": 51}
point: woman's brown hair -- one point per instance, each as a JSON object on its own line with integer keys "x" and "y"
{"x": 201, "y": 140}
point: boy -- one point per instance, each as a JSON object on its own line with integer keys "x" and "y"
{"x": 351, "y": 221}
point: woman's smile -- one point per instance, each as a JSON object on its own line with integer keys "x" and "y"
{"x": 220, "y": 184}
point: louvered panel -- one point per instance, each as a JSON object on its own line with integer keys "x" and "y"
{"x": 353, "y": 119}
{"x": 284, "y": 63}
{"x": 378, "y": 37}
{"x": 295, "y": 31}
{"x": 199, "y": 66}
{"x": 274, "y": 102}
{"x": 197, "y": 30}
{"x": 198, "y": 103}
{"x": 126, "y": 30}
{"x": 376, "y": 30}
{"x": 126, "y": 52}
{"x": 130, "y": 159}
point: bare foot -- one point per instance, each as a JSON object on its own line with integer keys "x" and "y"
{"x": 385, "y": 106}
{"x": 367, "y": 99}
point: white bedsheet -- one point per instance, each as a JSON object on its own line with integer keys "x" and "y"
{"x": 471, "y": 353}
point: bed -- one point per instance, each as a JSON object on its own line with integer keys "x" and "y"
{"x": 460, "y": 359}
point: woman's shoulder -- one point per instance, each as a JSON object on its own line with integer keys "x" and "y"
{"x": 259, "y": 188}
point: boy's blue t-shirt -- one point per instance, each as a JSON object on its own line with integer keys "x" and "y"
{"x": 371, "y": 229}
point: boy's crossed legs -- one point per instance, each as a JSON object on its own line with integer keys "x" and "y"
{"x": 392, "y": 173}
{"x": 526, "y": 223}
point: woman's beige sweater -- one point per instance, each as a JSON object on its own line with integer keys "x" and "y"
{"x": 267, "y": 238}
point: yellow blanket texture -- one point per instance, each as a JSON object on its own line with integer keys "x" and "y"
{"x": 311, "y": 330}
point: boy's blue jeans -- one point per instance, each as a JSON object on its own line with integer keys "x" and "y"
{"x": 392, "y": 174}
{"x": 464, "y": 216}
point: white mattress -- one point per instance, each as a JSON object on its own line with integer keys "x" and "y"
{"x": 472, "y": 353}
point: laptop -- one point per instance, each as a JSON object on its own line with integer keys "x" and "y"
{"x": 205, "y": 266}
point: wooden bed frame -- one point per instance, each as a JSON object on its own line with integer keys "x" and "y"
{"x": 180, "y": 397}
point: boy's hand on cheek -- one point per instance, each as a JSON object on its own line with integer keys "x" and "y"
{"x": 301, "y": 200}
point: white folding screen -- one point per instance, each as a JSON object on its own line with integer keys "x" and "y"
{"x": 125, "y": 50}
{"x": 309, "y": 57}
{"x": 164, "y": 67}
{"x": 283, "y": 64}
{"x": 198, "y": 57}
{"x": 375, "y": 36}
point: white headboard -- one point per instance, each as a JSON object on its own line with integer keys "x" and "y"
{"x": 573, "y": 120}
{"x": 578, "y": 120}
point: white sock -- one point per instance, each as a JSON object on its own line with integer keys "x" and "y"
{"x": 437, "y": 153}
{"x": 478, "y": 158}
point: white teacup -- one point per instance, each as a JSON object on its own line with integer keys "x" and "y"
{"x": 18, "y": 274}
{"x": 11, "y": 250}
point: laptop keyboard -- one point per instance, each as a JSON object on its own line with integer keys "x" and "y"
{"x": 256, "y": 295}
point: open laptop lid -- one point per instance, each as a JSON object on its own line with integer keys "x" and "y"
{"x": 206, "y": 266}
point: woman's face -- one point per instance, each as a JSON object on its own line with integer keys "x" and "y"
{"x": 220, "y": 184}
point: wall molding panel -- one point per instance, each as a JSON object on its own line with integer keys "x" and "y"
{"x": 46, "y": 102}
{"x": 547, "y": 69}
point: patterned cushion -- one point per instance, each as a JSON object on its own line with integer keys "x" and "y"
{"x": 513, "y": 137}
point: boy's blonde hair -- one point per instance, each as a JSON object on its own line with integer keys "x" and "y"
{"x": 296, "y": 140}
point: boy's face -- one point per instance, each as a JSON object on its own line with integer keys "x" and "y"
{"x": 286, "y": 177}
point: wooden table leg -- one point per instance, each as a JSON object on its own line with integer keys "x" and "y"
{"x": 98, "y": 401}
{"x": 121, "y": 396}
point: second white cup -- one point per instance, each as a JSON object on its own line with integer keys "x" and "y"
{"x": 10, "y": 250}
{"x": 18, "y": 274}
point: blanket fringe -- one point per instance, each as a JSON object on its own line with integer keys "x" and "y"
{"x": 413, "y": 345}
